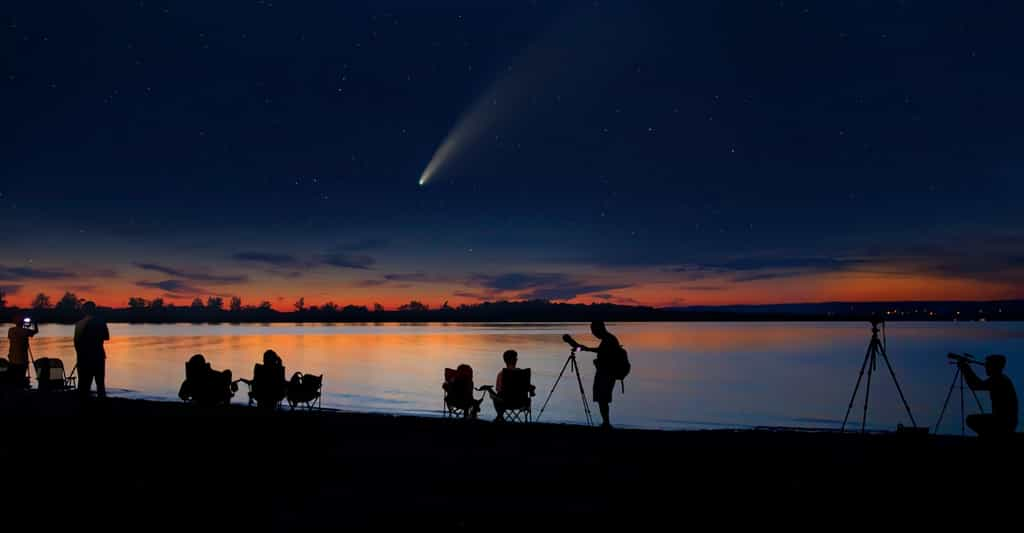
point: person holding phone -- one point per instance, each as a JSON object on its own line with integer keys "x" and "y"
{"x": 18, "y": 351}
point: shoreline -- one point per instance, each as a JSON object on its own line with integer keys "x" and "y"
{"x": 308, "y": 468}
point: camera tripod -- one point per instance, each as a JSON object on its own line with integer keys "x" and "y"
{"x": 958, "y": 377}
{"x": 875, "y": 347}
{"x": 571, "y": 360}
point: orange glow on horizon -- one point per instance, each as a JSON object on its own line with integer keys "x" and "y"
{"x": 852, "y": 287}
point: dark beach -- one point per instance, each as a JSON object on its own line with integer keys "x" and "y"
{"x": 150, "y": 464}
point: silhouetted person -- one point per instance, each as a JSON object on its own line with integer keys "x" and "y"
{"x": 204, "y": 385}
{"x": 17, "y": 353}
{"x": 90, "y": 334}
{"x": 511, "y": 358}
{"x": 267, "y": 387}
{"x": 1003, "y": 418}
{"x": 604, "y": 377}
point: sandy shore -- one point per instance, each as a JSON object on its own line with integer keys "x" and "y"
{"x": 156, "y": 463}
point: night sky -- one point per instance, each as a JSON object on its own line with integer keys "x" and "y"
{"x": 675, "y": 153}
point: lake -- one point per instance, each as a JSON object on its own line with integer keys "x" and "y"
{"x": 691, "y": 375}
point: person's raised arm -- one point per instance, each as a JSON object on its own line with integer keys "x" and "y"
{"x": 972, "y": 379}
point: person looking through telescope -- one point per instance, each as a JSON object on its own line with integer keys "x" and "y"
{"x": 612, "y": 365}
{"x": 1003, "y": 418}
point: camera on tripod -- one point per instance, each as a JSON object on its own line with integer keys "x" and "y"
{"x": 571, "y": 342}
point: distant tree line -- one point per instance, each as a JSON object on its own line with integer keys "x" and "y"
{"x": 140, "y": 310}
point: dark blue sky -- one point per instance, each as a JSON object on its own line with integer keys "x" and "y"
{"x": 679, "y": 152}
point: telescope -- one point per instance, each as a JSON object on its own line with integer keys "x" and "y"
{"x": 964, "y": 358}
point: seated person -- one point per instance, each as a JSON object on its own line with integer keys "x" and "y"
{"x": 458, "y": 388}
{"x": 500, "y": 393}
{"x": 204, "y": 385}
{"x": 267, "y": 386}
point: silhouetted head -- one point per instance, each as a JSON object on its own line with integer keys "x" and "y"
{"x": 270, "y": 357}
{"x": 994, "y": 364}
{"x": 598, "y": 328}
{"x": 17, "y": 319}
{"x": 89, "y": 307}
{"x": 510, "y": 357}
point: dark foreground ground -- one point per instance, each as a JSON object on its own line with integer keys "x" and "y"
{"x": 151, "y": 465}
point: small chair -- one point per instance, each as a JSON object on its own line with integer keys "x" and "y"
{"x": 514, "y": 403}
{"x": 51, "y": 377}
{"x": 267, "y": 388}
{"x": 458, "y": 393}
{"x": 305, "y": 389}
{"x": 205, "y": 386}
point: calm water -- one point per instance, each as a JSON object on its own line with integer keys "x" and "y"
{"x": 685, "y": 375}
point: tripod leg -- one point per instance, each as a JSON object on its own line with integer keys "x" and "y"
{"x": 856, "y": 387}
{"x": 583, "y": 393}
{"x": 867, "y": 388}
{"x": 963, "y": 415}
{"x": 885, "y": 356}
{"x": 559, "y": 378}
{"x": 949, "y": 394}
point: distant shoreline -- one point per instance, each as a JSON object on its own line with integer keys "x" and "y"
{"x": 539, "y": 312}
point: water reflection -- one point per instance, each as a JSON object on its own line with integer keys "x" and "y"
{"x": 685, "y": 375}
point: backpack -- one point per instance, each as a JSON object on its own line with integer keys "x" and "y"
{"x": 620, "y": 366}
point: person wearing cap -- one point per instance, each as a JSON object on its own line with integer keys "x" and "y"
{"x": 1003, "y": 418}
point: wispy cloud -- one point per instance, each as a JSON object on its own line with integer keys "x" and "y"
{"x": 192, "y": 275}
{"x": 29, "y": 273}
{"x": 174, "y": 287}
{"x": 269, "y": 258}
{"x": 10, "y": 289}
{"x": 541, "y": 286}
{"x": 346, "y": 260}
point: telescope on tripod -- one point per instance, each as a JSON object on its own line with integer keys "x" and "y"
{"x": 958, "y": 378}
{"x": 570, "y": 363}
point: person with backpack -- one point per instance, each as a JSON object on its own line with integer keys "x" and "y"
{"x": 612, "y": 365}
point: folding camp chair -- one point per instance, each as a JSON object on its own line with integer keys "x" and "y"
{"x": 305, "y": 389}
{"x": 204, "y": 385}
{"x": 458, "y": 393}
{"x": 51, "y": 377}
{"x": 514, "y": 403}
{"x": 268, "y": 387}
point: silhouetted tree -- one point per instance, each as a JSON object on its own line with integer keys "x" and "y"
{"x": 265, "y": 306}
{"x": 68, "y": 303}
{"x": 414, "y": 306}
{"x": 197, "y": 304}
{"x": 136, "y": 303}
{"x": 236, "y": 304}
{"x": 41, "y": 301}
{"x": 215, "y": 302}
{"x": 354, "y": 309}
{"x": 300, "y": 304}
{"x": 377, "y": 308}
{"x": 157, "y": 304}
{"x": 329, "y": 307}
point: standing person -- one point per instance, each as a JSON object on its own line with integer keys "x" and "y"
{"x": 612, "y": 365}
{"x": 17, "y": 353}
{"x": 90, "y": 333}
{"x": 1003, "y": 418}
